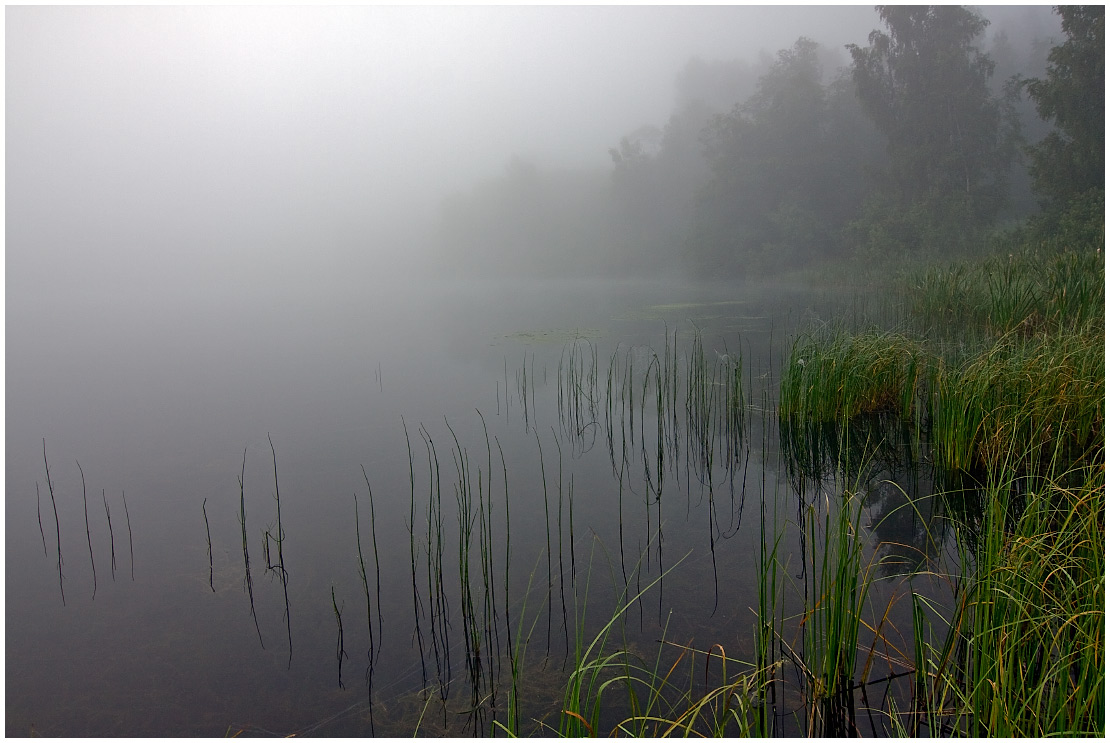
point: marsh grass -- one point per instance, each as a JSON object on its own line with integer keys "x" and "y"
{"x": 835, "y": 374}
{"x": 1043, "y": 395}
{"x": 1024, "y": 653}
{"x": 999, "y": 365}
{"x": 1008, "y": 354}
{"x": 1025, "y": 290}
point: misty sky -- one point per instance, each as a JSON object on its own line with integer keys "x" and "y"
{"x": 148, "y": 143}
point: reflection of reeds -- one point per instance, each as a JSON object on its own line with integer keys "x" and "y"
{"x": 207, "y": 533}
{"x": 377, "y": 564}
{"x": 130, "y": 542}
{"x": 38, "y": 508}
{"x": 547, "y": 532}
{"x": 112, "y": 534}
{"x": 369, "y": 618}
{"x": 88, "y": 534}
{"x": 246, "y": 551}
{"x": 283, "y": 574}
{"x": 340, "y": 653}
{"x": 57, "y": 524}
{"x": 412, "y": 557}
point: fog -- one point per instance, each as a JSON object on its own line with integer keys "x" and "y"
{"x": 354, "y": 228}
{"x": 165, "y": 148}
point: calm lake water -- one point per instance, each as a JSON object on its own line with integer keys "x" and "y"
{"x": 158, "y": 397}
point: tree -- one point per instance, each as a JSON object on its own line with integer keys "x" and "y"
{"x": 787, "y": 170}
{"x": 1069, "y": 163}
{"x": 950, "y": 141}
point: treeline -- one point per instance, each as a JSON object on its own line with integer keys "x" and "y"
{"x": 922, "y": 142}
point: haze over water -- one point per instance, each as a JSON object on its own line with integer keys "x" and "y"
{"x": 225, "y": 224}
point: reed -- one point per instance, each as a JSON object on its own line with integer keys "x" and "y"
{"x": 1006, "y": 383}
{"x": 247, "y": 581}
{"x": 412, "y": 556}
{"x": 831, "y": 375}
{"x": 598, "y": 668}
{"x": 283, "y": 574}
{"x": 207, "y": 534}
{"x": 366, "y": 591}
{"x": 112, "y": 534}
{"x": 1042, "y": 394}
{"x": 57, "y": 524}
{"x": 130, "y": 541}
{"x": 340, "y": 653}
{"x": 1025, "y": 649}
{"x": 38, "y": 509}
{"x": 547, "y": 530}
{"x": 1024, "y": 290}
{"x": 88, "y": 534}
{"x": 377, "y": 562}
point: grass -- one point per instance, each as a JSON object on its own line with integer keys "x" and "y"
{"x": 1024, "y": 652}
{"x": 999, "y": 364}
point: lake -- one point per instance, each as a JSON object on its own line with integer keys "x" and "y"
{"x": 566, "y": 403}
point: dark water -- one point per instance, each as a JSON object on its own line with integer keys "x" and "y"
{"x": 158, "y": 397}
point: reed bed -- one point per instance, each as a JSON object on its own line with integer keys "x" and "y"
{"x": 1024, "y": 652}
{"x": 1043, "y": 394}
{"x": 1023, "y": 290}
{"x": 832, "y": 375}
{"x": 998, "y": 367}
{"x": 1012, "y": 355}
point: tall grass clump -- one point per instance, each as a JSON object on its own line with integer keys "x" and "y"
{"x": 1025, "y": 652}
{"x": 836, "y": 374}
{"x": 1043, "y": 395}
{"x": 1026, "y": 289}
{"x": 999, "y": 365}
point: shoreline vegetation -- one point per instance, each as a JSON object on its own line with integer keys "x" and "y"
{"x": 987, "y": 375}
{"x": 996, "y": 368}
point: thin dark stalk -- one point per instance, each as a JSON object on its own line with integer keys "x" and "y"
{"x": 207, "y": 532}
{"x": 130, "y": 542}
{"x": 112, "y": 534}
{"x": 570, "y": 503}
{"x": 366, "y": 591}
{"x": 246, "y": 552}
{"x": 88, "y": 534}
{"x": 508, "y": 531}
{"x": 38, "y": 507}
{"x": 562, "y": 580}
{"x": 412, "y": 556}
{"x": 440, "y": 609}
{"x": 281, "y": 556}
{"x": 340, "y": 653}
{"x": 377, "y": 563}
{"x": 488, "y": 567}
{"x": 713, "y": 550}
{"x": 620, "y": 522}
{"x": 57, "y": 524}
{"x": 547, "y": 524}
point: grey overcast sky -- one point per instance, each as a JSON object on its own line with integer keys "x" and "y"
{"x": 150, "y": 141}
